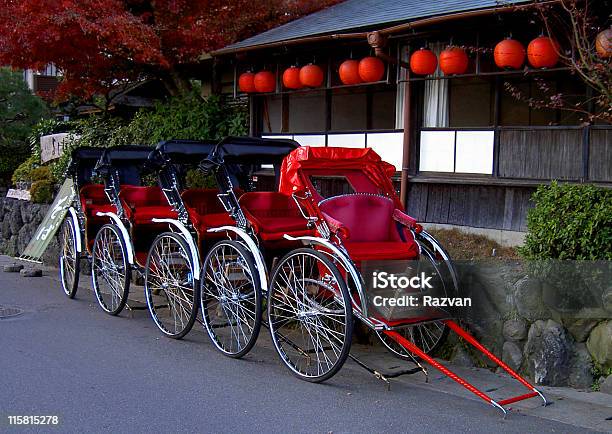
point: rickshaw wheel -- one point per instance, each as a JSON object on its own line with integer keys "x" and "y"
{"x": 310, "y": 315}
{"x": 110, "y": 270}
{"x": 427, "y": 336}
{"x": 231, "y": 298}
{"x": 69, "y": 261}
{"x": 170, "y": 273}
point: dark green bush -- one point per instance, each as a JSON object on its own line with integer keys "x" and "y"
{"x": 23, "y": 173}
{"x": 42, "y": 173}
{"x": 196, "y": 179}
{"x": 569, "y": 222}
{"x": 42, "y": 191}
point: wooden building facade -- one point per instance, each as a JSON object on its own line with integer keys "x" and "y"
{"x": 467, "y": 151}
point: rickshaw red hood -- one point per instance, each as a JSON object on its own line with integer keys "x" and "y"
{"x": 334, "y": 159}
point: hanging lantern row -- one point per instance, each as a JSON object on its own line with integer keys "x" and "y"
{"x": 542, "y": 52}
{"x": 367, "y": 70}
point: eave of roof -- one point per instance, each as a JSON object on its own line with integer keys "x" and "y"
{"x": 361, "y": 15}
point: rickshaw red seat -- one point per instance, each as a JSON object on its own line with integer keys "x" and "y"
{"x": 372, "y": 251}
{"x": 146, "y": 203}
{"x": 205, "y": 209}
{"x": 372, "y": 232}
{"x": 273, "y": 215}
{"x": 94, "y": 200}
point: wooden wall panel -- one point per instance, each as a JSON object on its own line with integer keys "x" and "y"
{"x": 492, "y": 207}
{"x": 540, "y": 154}
{"x": 600, "y": 155}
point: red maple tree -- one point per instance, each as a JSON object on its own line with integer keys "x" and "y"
{"x": 100, "y": 44}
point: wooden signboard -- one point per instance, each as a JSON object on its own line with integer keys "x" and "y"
{"x": 50, "y": 224}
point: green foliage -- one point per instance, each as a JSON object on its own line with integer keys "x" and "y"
{"x": 183, "y": 117}
{"x": 196, "y": 179}
{"x": 23, "y": 173}
{"x": 42, "y": 191}
{"x": 41, "y": 173}
{"x": 19, "y": 111}
{"x": 569, "y": 222}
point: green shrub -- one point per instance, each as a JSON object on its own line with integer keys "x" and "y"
{"x": 196, "y": 179}
{"x": 42, "y": 191}
{"x": 23, "y": 173}
{"x": 183, "y": 117}
{"x": 569, "y": 222}
{"x": 42, "y": 173}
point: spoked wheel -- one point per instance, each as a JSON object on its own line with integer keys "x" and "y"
{"x": 310, "y": 315}
{"x": 69, "y": 260}
{"x": 231, "y": 298}
{"x": 110, "y": 270}
{"x": 428, "y": 336}
{"x": 171, "y": 290}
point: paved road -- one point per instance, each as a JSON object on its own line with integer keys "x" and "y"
{"x": 99, "y": 373}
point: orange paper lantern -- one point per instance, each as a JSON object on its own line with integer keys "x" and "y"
{"x": 246, "y": 82}
{"x": 543, "y": 52}
{"x": 265, "y": 81}
{"x": 291, "y": 78}
{"x": 349, "y": 72}
{"x": 603, "y": 43}
{"x": 423, "y": 62}
{"x": 453, "y": 60}
{"x": 371, "y": 69}
{"x": 509, "y": 53}
{"x": 311, "y": 75}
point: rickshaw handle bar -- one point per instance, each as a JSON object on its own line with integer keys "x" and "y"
{"x": 469, "y": 338}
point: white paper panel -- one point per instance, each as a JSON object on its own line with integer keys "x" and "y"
{"x": 346, "y": 140}
{"x": 277, "y": 137}
{"x": 309, "y": 140}
{"x": 474, "y": 152}
{"x": 437, "y": 151}
{"x": 389, "y": 146}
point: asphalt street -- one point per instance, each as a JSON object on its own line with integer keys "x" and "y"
{"x": 118, "y": 374}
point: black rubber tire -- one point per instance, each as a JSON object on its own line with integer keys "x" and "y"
{"x": 195, "y": 287}
{"x": 124, "y": 286}
{"x": 275, "y": 284}
{"x": 205, "y": 279}
{"x": 69, "y": 288}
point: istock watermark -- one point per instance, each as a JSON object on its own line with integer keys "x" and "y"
{"x": 384, "y": 280}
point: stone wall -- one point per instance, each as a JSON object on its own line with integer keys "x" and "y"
{"x": 558, "y": 332}
{"x": 18, "y": 222}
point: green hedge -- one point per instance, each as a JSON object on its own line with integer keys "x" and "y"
{"x": 569, "y": 222}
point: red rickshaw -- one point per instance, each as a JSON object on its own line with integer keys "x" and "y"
{"x": 316, "y": 291}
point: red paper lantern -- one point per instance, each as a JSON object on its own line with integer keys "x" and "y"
{"x": 543, "y": 52}
{"x": 509, "y": 53}
{"x": 423, "y": 62}
{"x": 603, "y": 43}
{"x": 349, "y": 72}
{"x": 311, "y": 75}
{"x": 246, "y": 82}
{"x": 291, "y": 78}
{"x": 265, "y": 81}
{"x": 371, "y": 69}
{"x": 453, "y": 60}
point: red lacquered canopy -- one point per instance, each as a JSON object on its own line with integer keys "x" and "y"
{"x": 375, "y": 173}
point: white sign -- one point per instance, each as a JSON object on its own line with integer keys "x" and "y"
{"x": 18, "y": 194}
{"x": 51, "y": 146}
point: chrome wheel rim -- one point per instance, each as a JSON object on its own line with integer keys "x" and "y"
{"x": 68, "y": 258}
{"x": 230, "y": 299}
{"x": 109, "y": 270}
{"x": 308, "y": 316}
{"x": 170, "y": 275}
